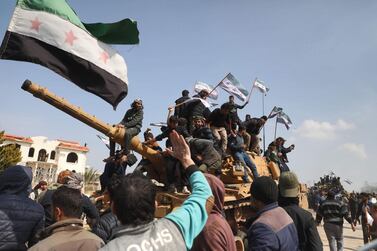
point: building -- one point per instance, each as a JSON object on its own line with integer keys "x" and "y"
{"x": 49, "y": 157}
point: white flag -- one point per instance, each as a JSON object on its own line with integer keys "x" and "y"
{"x": 261, "y": 86}
{"x": 231, "y": 85}
{"x": 199, "y": 86}
{"x": 284, "y": 119}
{"x": 104, "y": 140}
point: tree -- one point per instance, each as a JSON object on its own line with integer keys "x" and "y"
{"x": 90, "y": 176}
{"x": 9, "y": 154}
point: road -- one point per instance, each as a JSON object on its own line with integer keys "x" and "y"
{"x": 352, "y": 240}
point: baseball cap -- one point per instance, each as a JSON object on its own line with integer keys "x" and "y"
{"x": 289, "y": 185}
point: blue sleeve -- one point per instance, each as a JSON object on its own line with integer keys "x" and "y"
{"x": 192, "y": 215}
{"x": 261, "y": 238}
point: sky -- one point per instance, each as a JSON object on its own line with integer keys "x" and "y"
{"x": 318, "y": 58}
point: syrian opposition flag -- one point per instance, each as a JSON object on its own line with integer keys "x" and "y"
{"x": 275, "y": 111}
{"x": 49, "y": 33}
{"x": 284, "y": 119}
{"x": 199, "y": 86}
{"x": 261, "y": 86}
{"x": 231, "y": 85}
{"x": 348, "y": 181}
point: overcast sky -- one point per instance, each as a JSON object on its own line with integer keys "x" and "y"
{"x": 319, "y": 59}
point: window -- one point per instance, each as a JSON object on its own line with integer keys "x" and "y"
{"x": 72, "y": 158}
{"x": 52, "y": 155}
{"x": 42, "y": 155}
{"x": 31, "y": 152}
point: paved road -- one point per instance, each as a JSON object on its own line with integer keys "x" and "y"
{"x": 352, "y": 240}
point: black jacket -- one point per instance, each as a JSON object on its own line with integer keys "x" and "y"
{"x": 206, "y": 150}
{"x": 196, "y": 108}
{"x": 308, "y": 235}
{"x": 20, "y": 217}
{"x": 133, "y": 118}
{"x": 105, "y": 225}
{"x": 179, "y": 111}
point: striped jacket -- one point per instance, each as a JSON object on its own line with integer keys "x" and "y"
{"x": 333, "y": 211}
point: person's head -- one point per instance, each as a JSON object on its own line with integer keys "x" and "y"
{"x": 203, "y": 94}
{"x": 16, "y": 180}
{"x": 173, "y": 122}
{"x": 288, "y": 185}
{"x": 247, "y": 117}
{"x": 133, "y": 199}
{"x": 231, "y": 99}
{"x": 137, "y": 104}
{"x": 218, "y": 191}
{"x": 280, "y": 141}
{"x": 66, "y": 203}
{"x": 148, "y": 135}
{"x": 263, "y": 119}
{"x": 42, "y": 185}
{"x": 264, "y": 191}
{"x": 185, "y": 93}
{"x": 272, "y": 146}
{"x": 241, "y": 129}
{"x": 198, "y": 121}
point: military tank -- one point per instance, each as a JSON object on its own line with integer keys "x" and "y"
{"x": 237, "y": 198}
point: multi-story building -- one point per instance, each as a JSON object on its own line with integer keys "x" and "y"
{"x": 49, "y": 157}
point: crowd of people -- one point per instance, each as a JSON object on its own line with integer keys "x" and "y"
{"x": 53, "y": 221}
{"x": 51, "y": 216}
{"x": 333, "y": 204}
{"x": 212, "y": 137}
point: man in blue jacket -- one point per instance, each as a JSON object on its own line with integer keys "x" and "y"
{"x": 272, "y": 229}
{"x": 20, "y": 217}
{"x": 133, "y": 202}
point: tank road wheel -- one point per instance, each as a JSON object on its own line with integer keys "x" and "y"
{"x": 239, "y": 243}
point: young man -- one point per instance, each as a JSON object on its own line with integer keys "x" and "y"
{"x": 289, "y": 190}
{"x": 180, "y": 109}
{"x": 237, "y": 147}
{"x": 132, "y": 122}
{"x": 68, "y": 232}
{"x": 273, "y": 229}
{"x": 333, "y": 211}
{"x": 20, "y": 217}
{"x": 219, "y": 123}
{"x": 133, "y": 202}
{"x": 217, "y": 234}
{"x": 233, "y": 115}
{"x": 253, "y": 127}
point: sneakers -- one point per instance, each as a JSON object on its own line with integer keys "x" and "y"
{"x": 185, "y": 190}
{"x": 172, "y": 189}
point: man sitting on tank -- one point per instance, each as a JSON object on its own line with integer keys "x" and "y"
{"x": 132, "y": 122}
{"x": 237, "y": 148}
{"x": 133, "y": 202}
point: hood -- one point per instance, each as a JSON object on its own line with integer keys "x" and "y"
{"x": 16, "y": 180}
{"x": 218, "y": 191}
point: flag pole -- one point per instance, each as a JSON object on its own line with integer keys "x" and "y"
{"x": 276, "y": 124}
{"x": 264, "y": 132}
{"x": 218, "y": 84}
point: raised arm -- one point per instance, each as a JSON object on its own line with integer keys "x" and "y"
{"x": 192, "y": 215}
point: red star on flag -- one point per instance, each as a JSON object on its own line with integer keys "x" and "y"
{"x": 35, "y": 24}
{"x": 104, "y": 56}
{"x": 70, "y": 37}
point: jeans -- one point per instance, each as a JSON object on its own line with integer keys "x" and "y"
{"x": 245, "y": 159}
{"x": 334, "y": 233}
{"x": 130, "y": 133}
{"x": 220, "y": 134}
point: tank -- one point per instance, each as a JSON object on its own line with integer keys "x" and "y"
{"x": 237, "y": 198}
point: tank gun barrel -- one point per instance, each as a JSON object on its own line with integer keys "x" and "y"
{"x": 115, "y": 133}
